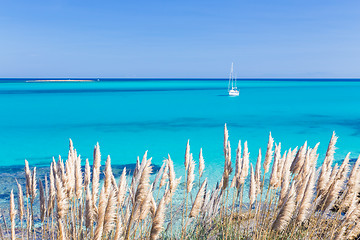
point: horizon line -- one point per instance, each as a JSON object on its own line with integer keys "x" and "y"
{"x": 95, "y": 78}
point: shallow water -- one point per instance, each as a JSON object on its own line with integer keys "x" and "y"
{"x": 129, "y": 117}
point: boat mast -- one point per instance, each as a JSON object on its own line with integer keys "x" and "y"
{"x": 235, "y": 82}
{"x": 231, "y": 77}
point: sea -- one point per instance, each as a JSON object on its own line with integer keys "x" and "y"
{"x": 130, "y": 116}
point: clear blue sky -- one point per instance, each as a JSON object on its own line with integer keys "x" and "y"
{"x": 187, "y": 38}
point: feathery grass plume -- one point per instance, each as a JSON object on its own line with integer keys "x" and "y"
{"x": 245, "y": 164}
{"x": 306, "y": 165}
{"x": 101, "y": 214}
{"x": 158, "y": 220}
{"x": 42, "y": 201}
{"x": 253, "y": 187}
{"x": 152, "y": 206}
{"x": 20, "y": 201}
{"x": 258, "y": 173}
{"x": 12, "y": 215}
{"x": 118, "y": 229}
{"x": 187, "y": 155}
{"x": 122, "y": 189}
{"x": 61, "y": 170}
{"x": 226, "y": 137}
{"x": 306, "y": 202}
{"x": 51, "y": 197}
{"x": 87, "y": 175}
{"x": 238, "y": 165}
{"x": 326, "y": 166}
{"x": 201, "y": 163}
{"x": 89, "y": 211}
{"x": 78, "y": 178}
{"x": 96, "y": 174}
{"x": 313, "y": 155}
{"x": 146, "y": 205}
{"x": 165, "y": 175}
{"x": 28, "y": 179}
{"x": 137, "y": 174}
{"x": 302, "y": 176}
{"x": 158, "y": 175}
{"x": 269, "y": 154}
{"x": 54, "y": 166}
{"x": 285, "y": 177}
{"x": 110, "y": 213}
{"x": 274, "y": 177}
{"x": 354, "y": 232}
{"x": 62, "y": 203}
{"x": 173, "y": 182}
{"x": 199, "y": 201}
{"x": 348, "y": 221}
{"x": 144, "y": 183}
{"x": 33, "y": 186}
{"x": 70, "y": 175}
{"x": 143, "y": 161}
{"x": 227, "y": 167}
{"x": 280, "y": 167}
{"x": 337, "y": 184}
{"x": 285, "y": 214}
{"x": 61, "y": 230}
{"x": 190, "y": 175}
{"x": 108, "y": 174}
{"x": 353, "y": 184}
{"x": 299, "y": 159}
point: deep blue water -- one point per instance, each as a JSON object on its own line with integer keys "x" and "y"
{"x": 129, "y": 116}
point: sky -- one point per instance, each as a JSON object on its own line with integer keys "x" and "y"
{"x": 180, "y": 39}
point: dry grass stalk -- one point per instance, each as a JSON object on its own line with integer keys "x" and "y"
{"x": 165, "y": 175}
{"x": 122, "y": 188}
{"x": 110, "y": 213}
{"x": 78, "y": 178}
{"x": 101, "y": 215}
{"x": 258, "y": 173}
{"x": 42, "y": 201}
{"x": 201, "y": 163}
{"x": 87, "y": 176}
{"x": 89, "y": 211}
{"x": 28, "y": 178}
{"x": 12, "y": 215}
{"x": 158, "y": 220}
{"x": 285, "y": 214}
{"x": 187, "y": 155}
{"x": 245, "y": 164}
{"x": 20, "y": 201}
{"x": 108, "y": 174}
{"x": 306, "y": 202}
{"x": 326, "y": 166}
{"x": 269, "y": 154}
{"x": 199, "y": 200}
{"x": 190, "y": 174}
{"x": 118, "y": 214}
{"x": 299, "y": 159}
{"x": 227, "y": 166}
{"x": 96, "y": 174}
{"x": 61, "y": 199}
{"x": 253, "y": 186}
{"x": 274, "y": 173}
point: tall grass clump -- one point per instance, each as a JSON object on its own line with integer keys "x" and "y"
{"x": 289, "y": 197}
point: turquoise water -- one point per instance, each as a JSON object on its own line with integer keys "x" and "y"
{"x": 129, "y": 117}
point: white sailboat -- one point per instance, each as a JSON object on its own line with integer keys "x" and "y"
{"x": 232, "y": 89}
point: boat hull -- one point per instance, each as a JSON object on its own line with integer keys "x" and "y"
{"x": 233, "y": 93}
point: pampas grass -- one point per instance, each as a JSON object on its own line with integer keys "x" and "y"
{"x": 305, "y": 202}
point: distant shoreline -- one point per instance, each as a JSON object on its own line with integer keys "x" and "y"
{"x": 62, "y": 80}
